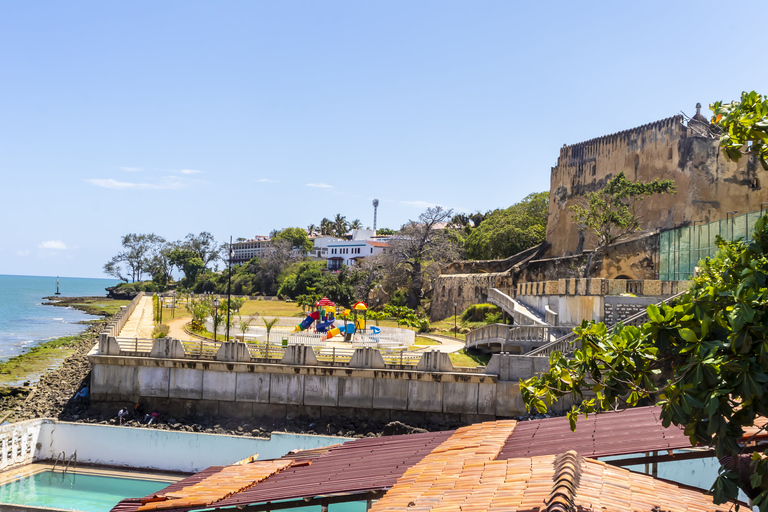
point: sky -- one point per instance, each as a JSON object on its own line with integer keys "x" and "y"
{"x": 238, "y": 118}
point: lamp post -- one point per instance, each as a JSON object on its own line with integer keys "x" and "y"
{"x": 731, "y": 213}
{"x": 215, "y": 318}
{"x": 229, "y": 282}
{"x": 455, "y": 331}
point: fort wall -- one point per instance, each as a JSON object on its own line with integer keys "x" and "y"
{"x": 708, "y": 185}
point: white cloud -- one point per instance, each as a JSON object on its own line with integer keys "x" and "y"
{"x": 190, "y": 171}
{"x": 267, "y": 180}
{"x": 131, "y": 169}
{"x": 319, "y": 185}
{"x": 169, "y": 182}
{"x": 22, "y": 253}
{"x": 57, "y": 245}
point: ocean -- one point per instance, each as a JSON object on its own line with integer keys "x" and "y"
{"x": 24, "y": 321}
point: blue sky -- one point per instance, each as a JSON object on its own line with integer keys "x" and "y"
{"x": 241, "y": 117}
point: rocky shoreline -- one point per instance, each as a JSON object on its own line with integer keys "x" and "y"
{"x": 53, "y": 397}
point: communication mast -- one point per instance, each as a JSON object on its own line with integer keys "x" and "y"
{"x": 375, "y": 207}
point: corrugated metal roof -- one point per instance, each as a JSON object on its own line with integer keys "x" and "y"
{"x": 613, "y": 433}
{"x": 356, "y": 466}
{"x": 131, "y": 504}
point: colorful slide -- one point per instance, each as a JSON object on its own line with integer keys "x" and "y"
{"x": 349, "y": 328}
{"x": 307, "y": 321}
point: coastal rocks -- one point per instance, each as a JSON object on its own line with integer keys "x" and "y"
{"x": 122, "y": 293}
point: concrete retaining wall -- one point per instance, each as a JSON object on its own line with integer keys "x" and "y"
{"x": 241, "y": 389}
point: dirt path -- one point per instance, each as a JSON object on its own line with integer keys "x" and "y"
{"x": 177, "y": 329}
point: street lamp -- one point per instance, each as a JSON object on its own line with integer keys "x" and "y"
{"x": 731, "y": 213}
{"x": 455, "y": 331}
{"x": 229, "y": 282}
{"x": 215, "y": 318}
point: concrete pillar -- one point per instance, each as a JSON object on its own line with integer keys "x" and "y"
{"x": 512, "y": 367}
{"x": 435, "y": 361}
{"x": 168, "y": 348}
{"x": 233, "y": 352}
{"x": 367, "y": 358}
{"x": 302, "y": 355}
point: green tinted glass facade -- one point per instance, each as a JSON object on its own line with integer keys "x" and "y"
{"x": 681, "y": 249}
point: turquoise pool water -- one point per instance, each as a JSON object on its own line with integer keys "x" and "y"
{"x": 90, "y": 493}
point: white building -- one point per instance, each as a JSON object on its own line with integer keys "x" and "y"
{"x": 321, "y": 243}
{"x": 347, "y": 252}
{"x": 249, "y": 249}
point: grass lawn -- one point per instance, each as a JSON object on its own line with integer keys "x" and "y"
{"x": 471, "y": 360}
{"x": 271, "y": 308}
{"x": 105, "y": 307}
{"x": 420, "y": 340}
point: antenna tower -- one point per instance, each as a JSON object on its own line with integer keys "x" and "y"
{"x": 375, "y": 207}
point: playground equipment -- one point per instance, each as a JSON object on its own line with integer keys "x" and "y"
{"x": 325, "y": 316}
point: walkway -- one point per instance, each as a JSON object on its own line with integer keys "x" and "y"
{"x": 140, "y": 324}
{"x": 447, "y": 344}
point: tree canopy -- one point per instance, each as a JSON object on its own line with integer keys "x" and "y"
{"x": 503, "y": 233}
{"x": 611, "y": 213}
{"x": 297, "y": 237}
{"x": 703, "y": 359}
{"x": 745, "y": 126}
{"x": 421, "y": 242}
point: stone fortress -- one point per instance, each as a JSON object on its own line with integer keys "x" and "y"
{"x": 709, "y": 187}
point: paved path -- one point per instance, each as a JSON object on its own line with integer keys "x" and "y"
{"x": 140, "y": 323}
{"x": 448, "y": 345}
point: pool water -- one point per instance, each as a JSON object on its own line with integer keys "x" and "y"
{"x": 89, "y": 493}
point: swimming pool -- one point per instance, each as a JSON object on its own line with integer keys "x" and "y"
{"x": 75, "y": 491}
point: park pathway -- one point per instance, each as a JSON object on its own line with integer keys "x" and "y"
{"x": 140, "y": 324}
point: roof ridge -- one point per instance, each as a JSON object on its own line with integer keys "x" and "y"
{"x": 567, "y": 477}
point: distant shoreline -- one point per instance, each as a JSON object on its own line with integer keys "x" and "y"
{"x": 37, "y": 360}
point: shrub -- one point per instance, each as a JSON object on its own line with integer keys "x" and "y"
{"x": 161, "y": 331}
{"x": 479, "y": 312}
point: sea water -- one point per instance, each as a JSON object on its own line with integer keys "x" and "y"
{"x": 24, "y": 321}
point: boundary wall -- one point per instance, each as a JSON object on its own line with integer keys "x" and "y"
{"x": 143, "y": 448}
{"x": 434, "y": 390}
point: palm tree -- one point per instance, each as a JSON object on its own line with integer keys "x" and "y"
{"x": 340, "y": 225}
{"x": 326, "y": 227}
{"x": 268, "y": 324}
{"x": 356, "y": 224}
{"x": 244, "y": 323}
{"x": 311, "y": 229}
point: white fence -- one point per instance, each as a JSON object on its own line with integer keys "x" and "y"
{"x": 18, "y": 443}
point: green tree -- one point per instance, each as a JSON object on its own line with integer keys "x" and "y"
{"x": 385, "y": 231}
{"x": 135, "y": 256}
{"x": 340, "y": 225}
{"x": 356, "y": 224}
{"x": 704, "y": 360}
{"x": 268, "y": 324}
{"x": 189, "y": 262}
{"x": 297, "y": 237}
{"x": 745, "y": 126}
{"x": 204, "y": 245}
{"x": 326, "y": 227}
{"x": 611, "y": 213}
{"x": 503, "y": 233}
{"x": 419, "y": 244}
{"x": 300, "y": 278}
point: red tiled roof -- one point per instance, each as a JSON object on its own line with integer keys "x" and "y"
{"x": 356, "y": 466}
{"x": 378, "y": 244}
{"x": 132, "y": 504}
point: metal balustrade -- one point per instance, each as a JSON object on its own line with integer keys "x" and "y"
{"x": 565, "y": 344}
